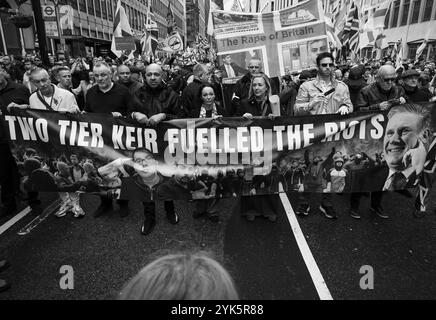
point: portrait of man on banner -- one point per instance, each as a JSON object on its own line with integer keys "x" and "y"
{"x": 235, "y": 65}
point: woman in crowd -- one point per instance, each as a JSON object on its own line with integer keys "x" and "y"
{"x": 260, "y": 102}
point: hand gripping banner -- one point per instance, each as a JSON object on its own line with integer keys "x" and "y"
{"x": 225, "y": 157}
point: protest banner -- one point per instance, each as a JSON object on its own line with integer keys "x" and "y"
{"x": 287, "y": 39}
{"x": 357, "y": 152}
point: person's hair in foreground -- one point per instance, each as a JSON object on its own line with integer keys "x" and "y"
{"x": 181, "y": 276}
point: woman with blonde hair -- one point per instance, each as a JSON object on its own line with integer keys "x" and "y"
{"x": 181, "y": 276}
{"x": 260, "y": 102}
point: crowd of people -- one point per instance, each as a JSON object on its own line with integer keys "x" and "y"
{"x": 165, "y": 89}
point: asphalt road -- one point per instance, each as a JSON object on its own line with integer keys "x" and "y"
{"x": 263, "y": 257}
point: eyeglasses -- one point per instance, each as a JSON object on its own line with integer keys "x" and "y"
{"x": 389, "y": 79}
{"x": 327, "y": 65}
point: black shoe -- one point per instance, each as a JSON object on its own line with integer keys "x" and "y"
{"x": 148, "y": 226}
{"x": 4, "y": 285}
{"x": 214, "y": 218}
{"x": 4, "y": 264}
{"x": 379, "y": 211}
{"x": 303, "y": 209}
{"x": 328, "y": 212}
{"x": 198, "y": 214}
{"x": 354, "y": 214}
{"x": 124, "y": 210}
{"x": 102, "y": 209}
{"x": 172, "y": 217}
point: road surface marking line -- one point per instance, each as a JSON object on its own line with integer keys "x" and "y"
{"x": 15, "y": 219}
{"x": 315, "y": 273}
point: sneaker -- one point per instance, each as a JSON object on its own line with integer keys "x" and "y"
{"x": 4, "y": 264}
{"x": 65, "y": 207}
{"x": 328, "y": 212}
{"x": 148, "y": 226}
{"x": 78, "y": 212}
{"x": 250, "y": 217}
{"x": 172, "y": 217}
{"x": 102, "y": 209}
{"x": 4, "y": 285}
{"x": 379, "y": 211}
{"x": 354, "y": 214}
{"x": 303, "y": 209}
{"x": 272, "y": 218}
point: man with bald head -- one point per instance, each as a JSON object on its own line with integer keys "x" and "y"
{"x": 191, "y": 100}
{"x": 151, "y": 104}
{"x": 107, "y": 96}
{"x": 382, "y": 94}
{"x": 125, "y": 78}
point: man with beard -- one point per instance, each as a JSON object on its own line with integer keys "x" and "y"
{"x": 142, "y": 185}
{"x": 124, "y": 78}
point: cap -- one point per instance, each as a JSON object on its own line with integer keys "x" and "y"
{"x": 409, "y": 73}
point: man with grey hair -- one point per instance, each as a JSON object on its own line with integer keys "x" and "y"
{"x": 380, "y": 95}
{"x": 107, "y": 96}
{"x": 191, "y": 100}
{"x": 48, "y": 96}
{"x": 111, "y": 98}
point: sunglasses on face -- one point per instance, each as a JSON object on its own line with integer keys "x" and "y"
{"x": 327, "y": 65}
{"x": 389, "y": 79}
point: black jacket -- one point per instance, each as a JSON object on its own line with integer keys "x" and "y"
{"x": 151, "y": 101}
{"x": 417, "y": 95}
{"x": 372, "y": 95}
{"x": 191, "y": 99}
{"x": 253, "y": 107}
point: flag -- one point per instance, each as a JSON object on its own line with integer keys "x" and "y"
{"x": 122, "y": 38}
{"x": 172, "y": 43}
{"x": 236, "y": 6}
{"x": 420, "y": 49}
{"x": 152, "y": 31}
{"x": 380, "y": 15}
{"x": 331, "y": 35}
{"x": 399, "y": 53}
{"x": 171, "y": 22}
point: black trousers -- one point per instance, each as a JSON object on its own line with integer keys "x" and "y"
{"x": 150, "y": 208}
{"x": 9, "y": 180}
{"x": 376, "y": 199}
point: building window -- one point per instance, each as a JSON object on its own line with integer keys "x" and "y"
{"x": 415, "y": 12}
{"x": 104, "y": 9}
{"x": 91, "y": 7}
{"x": 405, "y": 15}
{"x": 396, "y": 13}
{"x": 428, "y": 10}
{"x": 110, "y": 10}
{"x": 82, "y": 5}
{"x": 74, "y": 5}
{"x": 97, "y": 8}
{"x": 93, "y": 34}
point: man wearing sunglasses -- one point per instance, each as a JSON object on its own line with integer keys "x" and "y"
{"x": 324, "y": 94}
{"x": 380, "y": 95}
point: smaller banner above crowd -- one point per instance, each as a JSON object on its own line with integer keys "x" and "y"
{"x": 224, "y": 157}
{"x": 289, "y": 39}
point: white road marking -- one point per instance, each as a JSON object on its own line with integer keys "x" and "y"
{"x": 45, "y": 213}
{"x": 15, "y": 219}
{"x": 315, "y": 273}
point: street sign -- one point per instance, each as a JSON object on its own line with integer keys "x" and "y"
{"x": 51, "y": 29}
{"x": 175, "y": 43}
{"x": 125, "y": 43}
{"x": 48, "y": 12}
